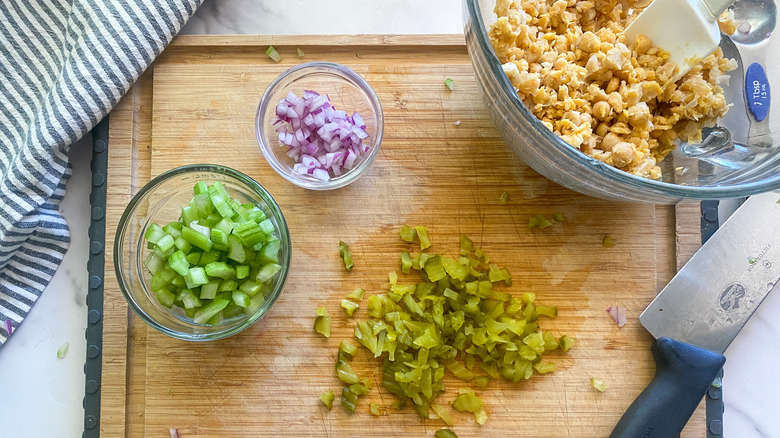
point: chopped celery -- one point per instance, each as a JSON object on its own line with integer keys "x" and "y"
{"x": 274, "y": 55}
{"x": 196, "y": 262}
{"x": 63, "y": 350}
{"x": 408, "y": 233}
{"x": 347, "y": 348}
{"x": 349, "y": 306}
{"x": 346, "y": 255}
{"x": 543, "y": 222}
{"x": 422, "y": 234}
{"x": 544, "y": 367}
{"x": 504, "y": 198}
{"x": 558, "y": 217}
{"x": 154, "y": 233}
{"x": 441, "y": 411}
{"x": 467, "y": 402}
{"x": 357, "y": 294}
{"x": 608, "y": 242}
{"x": 449, "y": 83}
{"x": 241, "y": 299}
{"x": 242, "y": 271}
{"x": 266, "y": 272}
{"x": 301, "y": 54}
{"x": 327, "y": 399}
{"x": 599, "y": 384}
{"x": 209, "y": 310}
{"x": 482, "y": 382}
{"x": 322, "y": 322}
{"x": 219, "y": 269}
{"x": 374, "y": 409}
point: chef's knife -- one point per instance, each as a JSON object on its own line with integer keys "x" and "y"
{"x": 699, "y": 313}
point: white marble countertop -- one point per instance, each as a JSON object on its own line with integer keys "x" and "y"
{"x": 41, "y": 395}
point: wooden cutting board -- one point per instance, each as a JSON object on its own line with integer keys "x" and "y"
{"x": 197, "y": 104}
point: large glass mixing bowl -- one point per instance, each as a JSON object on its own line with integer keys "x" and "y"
{"x": 738, "y": 157}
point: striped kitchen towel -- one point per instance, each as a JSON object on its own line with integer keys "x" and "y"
{"x": 63, "y": 65}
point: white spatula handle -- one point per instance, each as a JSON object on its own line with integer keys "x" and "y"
{"x": 717, "y": 7}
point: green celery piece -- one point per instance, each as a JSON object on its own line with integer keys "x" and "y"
{"x": 196, "y": 276}
{"x": 228, "y": 286}
{"x": 347, "y": 348}
{"x": 459, "y": 370}
{"x": 173, "y": 228}
{"x": 216, "y": 319}
{"x": 533, "y": 222}
{"x": 166, "y": 242}
{"x": 241, "y": 299}
{"x": 208, "y": 257}
{"x": 242, "y": 271}
{"x": 504, "y": 198}
{"x": 163, "y": 254}
{"x": 482, "y": 382}
{"x": 221, "y": 200}
{"x": 209, "y": 291}
{"x": 422, "y": 234}
{"x": 266, "y": 272}
{"x": 443, "y": 414}
{"x": 193, "y": 258}
{"x": 225, "y": 225}
{"x": 544, "y": 367}
{"x": 219, "y": 237}
{"x": 408, "y": 233}
{"x": 196, "y": 239}
{"x": 450, "y": 84}
{"x": 467, "y": 402}
{"x": 249, "y": 233}
{"x": 269, "y": 252}
{"x": 558, "y": 217}
{"x": 154, "y": 233}
{"x": 63, "y": 350}
{"x": 599, "y": 384}
{"x": 543, "y": 222}
{"x": 327, "y": 397}
{"x": 565, "y": 343}
{"x": 250, "y": 287}
{"x": 349, "y": 306}
{"x": 189, "y": 312}
{"x": 162, "y": 278}
{"x": 182, "y": 244}
{"x": 267, "y": 226}
{"x": 165, "y": 298}
{"x": 232, "y": 310}
{"x": 550, "y": 311}
{"x": 239, "y": 209}
{"x": 254, "y": 303}
{"x": 274, "y": 55}
{"x": 209, "y": 310}
{"x": 178, "y": 281}
{"x": 189, "y": 215}
{"x": 374, "y": 409}
{"x": 178, "y": 262}
{"x": 219, "y": 269}
{"x": 202, "y": 203}
{"x": 189, "y": 299}
{"x": 154, "y": 263}
{"x": 257, "y": 215}
{"x": 346, "y": 255}
{"x": 200, "y": 187}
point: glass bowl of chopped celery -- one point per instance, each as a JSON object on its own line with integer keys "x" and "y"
{"x": 201, "y": 252}
{"x": 319, "y": 125}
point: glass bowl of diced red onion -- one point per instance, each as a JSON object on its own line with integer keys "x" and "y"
{"x": 319, "y": 125}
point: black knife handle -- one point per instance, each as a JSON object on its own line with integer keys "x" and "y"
{"x": 683, "y": 374}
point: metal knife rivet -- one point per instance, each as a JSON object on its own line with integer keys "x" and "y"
{"x": 716, "y": 427}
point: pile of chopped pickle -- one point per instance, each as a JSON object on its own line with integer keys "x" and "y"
{"x": 451, "y": 319}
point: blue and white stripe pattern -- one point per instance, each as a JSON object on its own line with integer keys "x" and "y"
{"x": 63, "y": 65}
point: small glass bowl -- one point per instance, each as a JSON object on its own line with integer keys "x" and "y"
{"x": 347, "y": 91}
{"x": 160, "y": 201}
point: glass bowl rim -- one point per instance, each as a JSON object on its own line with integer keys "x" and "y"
{"x": 124, "y": 222}
{"x": 343, "y": 73}
{"x": 622, "y": 177}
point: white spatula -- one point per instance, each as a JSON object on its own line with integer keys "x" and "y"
{"x": 687, "y": 29}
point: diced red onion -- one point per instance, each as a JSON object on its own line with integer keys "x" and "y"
{"x": 174, "y": 433}
{"x": 618, "y": 314}
{"x": 323, "y": 140}
{"x": 9, "y": 327}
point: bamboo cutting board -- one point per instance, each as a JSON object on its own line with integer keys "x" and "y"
{"x": 197, "y": 105}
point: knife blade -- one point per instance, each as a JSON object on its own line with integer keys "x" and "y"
{"x": 700, "y": 312}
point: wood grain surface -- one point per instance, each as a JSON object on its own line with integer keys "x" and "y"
{"x": 197, "y": 104}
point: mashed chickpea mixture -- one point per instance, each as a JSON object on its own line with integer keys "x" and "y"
{"x": 610, "y": 98}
